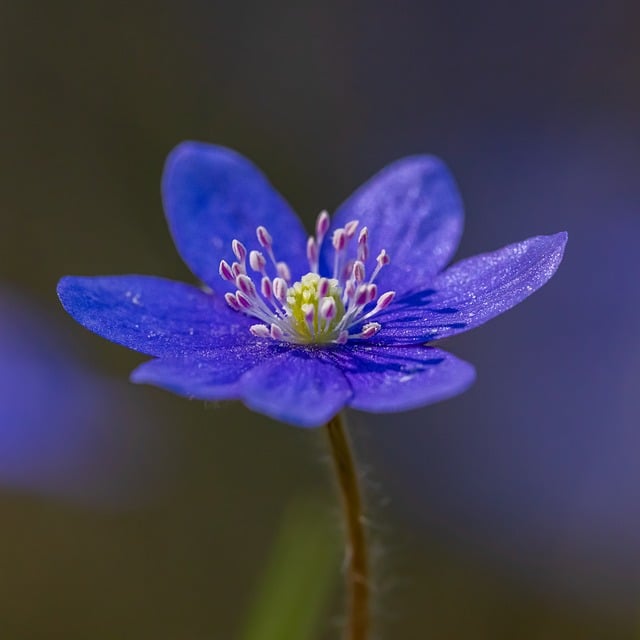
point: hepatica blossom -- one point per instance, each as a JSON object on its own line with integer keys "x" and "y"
{"x": 298, "y": 327}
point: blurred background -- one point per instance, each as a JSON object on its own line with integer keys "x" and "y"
{"x": 512, "y": 511}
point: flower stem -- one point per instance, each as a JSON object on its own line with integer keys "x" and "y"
{"x": 357, "y": 579}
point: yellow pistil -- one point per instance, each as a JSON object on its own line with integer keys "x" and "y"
{"x": 304, "y": 308}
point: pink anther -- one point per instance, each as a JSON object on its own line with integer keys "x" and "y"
{"x": 308, "y": 310}
{"x": 243, "y": 301}
{"x": 225, "y": 271}
{"x": 245, "y": 284}
{"x": 383, "y": 258}
{"x": 369, "y": 330}
{"x": 361, "y": 296}
{"x": 230, "y": 299}
{"x": 327, "y": 308}
{"x": 323, "y": 287}
{"x": 264, "y": 238}
{"x": 312, "y": 253}
{"x": 260, "y": 331}
{"x": 385, "y": 300}
{"x": 350, "y": 228}
{"x": 257, "y": 261}
{"x": 280, "y": 290}
{"x": 265, "y": 287}
{"x": 349, "y": 289}
{"x": 322, "y": 226}
{"x": 237, "y": 269}
{"x": 283, "y": 271}
{"x": 239, "y": 250}
{"x": 339, "y": 239}
{"x": 363, "y": 246}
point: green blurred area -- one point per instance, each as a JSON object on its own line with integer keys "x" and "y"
{"x": 298, "y": 580}
{"x": 95, "y": 95}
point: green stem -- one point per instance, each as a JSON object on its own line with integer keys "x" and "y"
{"x": 358, "y": 565}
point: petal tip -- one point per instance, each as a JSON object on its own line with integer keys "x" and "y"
{"x": 557, "y": 244}
{"x": 66, "y": 290}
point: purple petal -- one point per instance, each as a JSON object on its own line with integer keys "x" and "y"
{"x": 413, "y": 210}
{"x": 473, "y": 291}
{"x": 386, "y": 379}
{"x": 212, "y": 196}
{"x": 152, "y": 315}
{"x": 299, "y": 387}
{"x": 215, "y": 377}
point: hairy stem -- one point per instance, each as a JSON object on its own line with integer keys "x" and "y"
{"x": 358, "y": 566}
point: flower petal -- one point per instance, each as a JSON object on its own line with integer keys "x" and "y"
{"x": 473, "y": 291}
{"x": 299, "y": 387}
{"x": 398, "y": 378}
{"x": 211, "y": 196}
{"x": 152, "y": 315}
{"x": 215, "y": 377}
{"x": 412, "y": 210}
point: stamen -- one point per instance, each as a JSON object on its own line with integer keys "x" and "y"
{"x": 260, "y": 331}
{"x": 383, "y": 260}
{"x": 283, "y": 271}
{"x": 361, "y": 296}
{"x": 315, "y": 309}
{"x": 347, "y": 271}
{"x": 323, "y": 287}
{"x": 339, "y": 239}
{"x": 350, "y": 228}
{"x": 237, "y": 269}
{"x": 265, "y": 288}
{"x": 322, "y": 226}
{"x": 239, "y": 250}
{"x": 280, "y": 290}
{"x": 385, "y": 300}
{"x": 243, "y": 301}
{"x": 308, "y": 311}
{"x": 257, "y": 261}
{"x": 369, "y": 330}
{"x": 264, "y": 238}
{"x": 231, "y": 301}
{"x": 312, "y": 254}
{"x": 225, "y": 271}
{"x": 327, "y": 308}
{"x": 358, "y": 271}
{"x": 363, "y": 248}
{"x": 372, "y": 292}
{"x": 245, "y": 284}
{"x": 349, "y": 290}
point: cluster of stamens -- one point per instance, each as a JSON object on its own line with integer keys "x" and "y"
{"x": 316, "y": 309}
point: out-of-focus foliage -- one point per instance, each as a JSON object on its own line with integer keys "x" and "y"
{"x": 298, "y": 579}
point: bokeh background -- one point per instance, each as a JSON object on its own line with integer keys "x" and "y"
{"x": 510, "y": 512}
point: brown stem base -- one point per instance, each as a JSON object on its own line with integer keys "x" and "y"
{"x": 358, "y": 565}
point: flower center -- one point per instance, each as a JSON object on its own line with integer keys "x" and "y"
{"x": 315, "y": 309}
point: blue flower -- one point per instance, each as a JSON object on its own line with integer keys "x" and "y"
{"x": 298, "y": 327}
